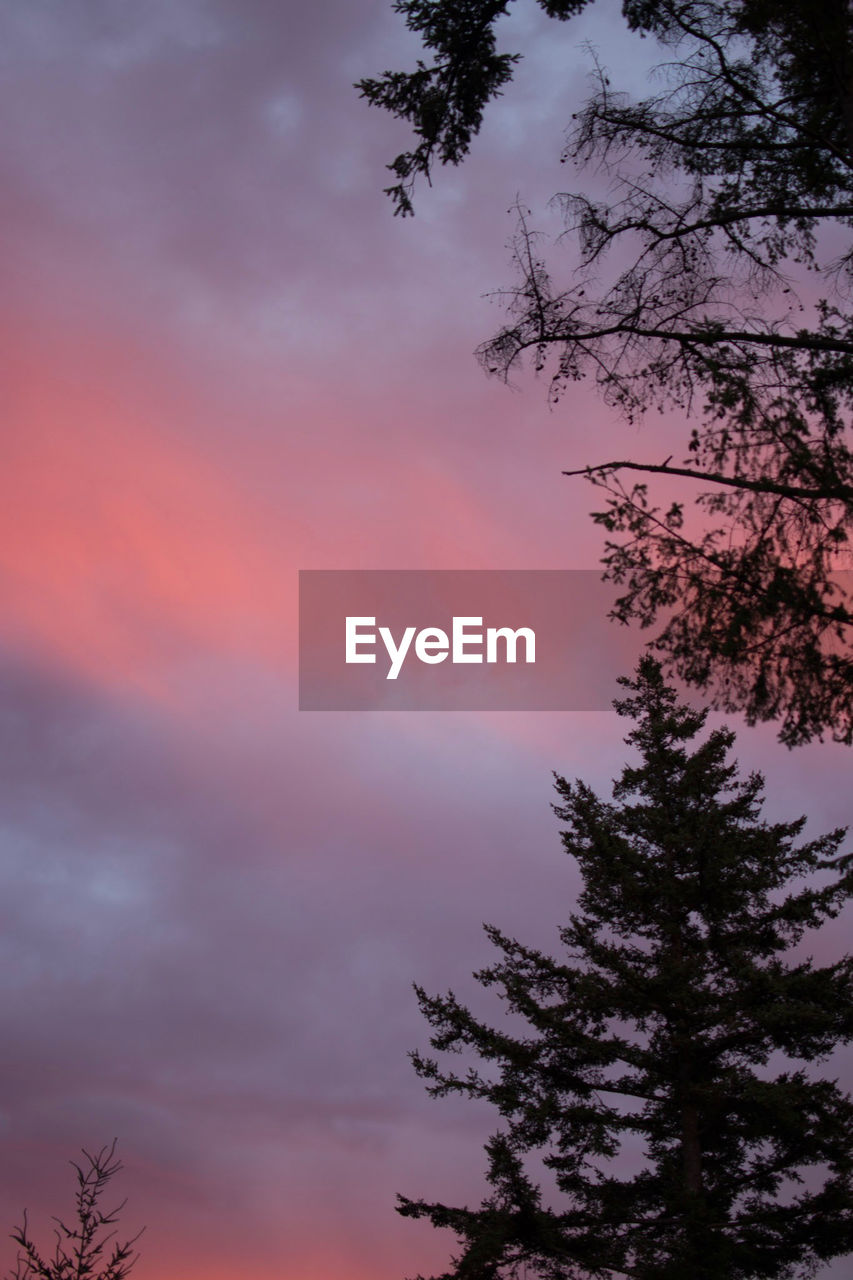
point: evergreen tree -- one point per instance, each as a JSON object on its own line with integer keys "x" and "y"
{"x": 714, "y": 278}
{"x": 677, "y": 1022}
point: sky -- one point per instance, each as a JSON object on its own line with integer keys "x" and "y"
{"x": 223, "y": 361}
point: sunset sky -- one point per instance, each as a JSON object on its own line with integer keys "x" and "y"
{"x": 223, "y": 360}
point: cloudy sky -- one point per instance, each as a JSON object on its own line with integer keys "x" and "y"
{"x": 222, "y": 361}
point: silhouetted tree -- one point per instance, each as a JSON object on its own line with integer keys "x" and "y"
{"x": 444, "y": 101}
{"x": 676, "y": 1023}
{"x": 732, "y": 205}
{"x": 87, "y": 1249}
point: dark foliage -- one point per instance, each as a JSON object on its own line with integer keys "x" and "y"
{"x": 731, "y": 201}
{"x": 86, "y": 1249}
{"x": 445, "y": 99}
{"x": 677, "y": 1024}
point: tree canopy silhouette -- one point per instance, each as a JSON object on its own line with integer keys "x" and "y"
{"x": 85, "y": 1249}
{"x": 679, "y": 1021}
{"x": 715, "y": 278}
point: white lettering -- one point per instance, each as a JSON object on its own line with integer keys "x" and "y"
{"x": 431, "y": 645}
{"x": 511, "y": 638}
{"x": 354, "y": 639}
{"x": 461, "y": 638}
{"x": 396, "y": 654}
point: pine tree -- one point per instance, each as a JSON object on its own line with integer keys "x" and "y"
{"x": 713, "y": 279}
{"x": 678, "y": 1022}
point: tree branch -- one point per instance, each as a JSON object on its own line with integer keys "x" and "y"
{"x": 844, "y": 493}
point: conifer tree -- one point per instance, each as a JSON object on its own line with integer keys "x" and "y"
{"x": 711, "y": 276}
{"x": 662, "y": 1073}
